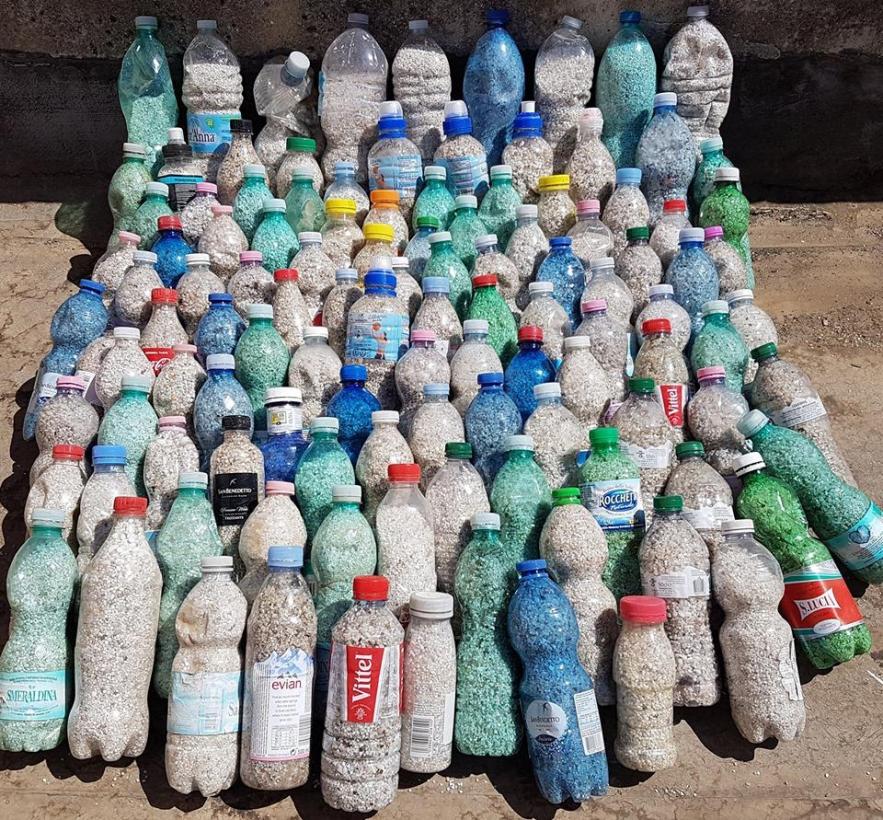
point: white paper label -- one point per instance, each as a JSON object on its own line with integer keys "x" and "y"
{"x": 589, "y": 722}
{"x": 89, "y": 393}
{"x": 546, "y": 721}
{"x": 284, "y": 420}
{"x": 431, "y": 727}
{"x": 442, "y": 345}
{"x": 709, "y": 518}
{"x": 48, "y": 386}
{"x": 656, "y": 457}
{"x": 682, "y": 582}
{"x": 798, "y": 412}
{"x": 788, "y": 672}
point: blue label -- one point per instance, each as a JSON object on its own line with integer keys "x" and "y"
{"x": 208, "y": 132}
{"x": 862, "y": 544}
{"x": 376, "y": 337}
{"x": 402, "y": 174}
{"x": 204, "y": 703}
{"x": 466, "y": 175}
{"x": 616, "y": 504}
{"x": 33, "y": 695}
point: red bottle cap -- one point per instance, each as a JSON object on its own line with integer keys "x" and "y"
{"x": 530, "y": 333}
{"x": 656, "y": 326}
{"x": 484, "y": 280}
{"x": 165, "y": 223}
{"x": 642, "y": 609}
{"x": 287, "y": 275}
{"x": 164, "y": 296}
{"x": 370, "y": 588}
{"x": 130, "y": 505}
{"x": 677, "y": 206}
{"x": 67, "y": 452}
{"x": 403, "y": 472}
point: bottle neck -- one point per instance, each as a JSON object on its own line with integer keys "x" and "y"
{"x": 315, "y": 340}
{"x": 439, "y": 248}
{"x": 477, "y": 338}
{"x": 519, "y": 456}
{"x": 108, "y": 468}
{"x": 350, "y": 506}
{"x": 545, "y": 401}
{"x": 236, "y": 435}
{"x": 524, "y": 221}
{"x": 373, "y": 605}
{"x": 260, "y": 321}
{"x": 354, "y": 384}
{"x": 491, "y": 388}
{"x": 488, "y": 249}
{"x": 667, "y": 515}
{"x": 221, "y": 373}
{"x": 46, "y": 531}
{"x": 133, "y": 395}
{"x": 637, "y": 243}
{"x": 485, "y": 536}
{"x": 324, "y": 436}
{"x": 528, "y": 346}
{"x": 191, "y": 492}
{"x": 725, "y": 183}
{"x": 712, "y": 381}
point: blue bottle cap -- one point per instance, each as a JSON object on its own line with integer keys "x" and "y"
{"x": 108, "y": 454}
{"x": 353, "y": 373}
{"x": 533, "y": 565}
{"x": 92, "y": 287}
{"x": 629, "y": 17}
{"x": 344, "y": 168}
{"x": 499, "y": 17}
{"x": 379, "y": 279}
{"x": 490, "y": 378}
{"x": 454, "y": 126}
{"x": 391, "y": 127}
{"x": 628, "y": 176}
{"x": 285, "y": 557}
{"x": 560, "y": 242}
{"x": 220, "y": 299}
{"x": 436, "y": 389}
{"x": 527, "y": 124}
{"x": 436, "y": 284}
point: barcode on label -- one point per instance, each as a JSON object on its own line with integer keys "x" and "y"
{"x": 422, "y": 729}
{"x": 303, "y": 732}
{"x": 589, "y": 722}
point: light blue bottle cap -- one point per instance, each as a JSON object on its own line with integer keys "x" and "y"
{"x": 628, "y": 176}
{"x": 108, "y": 454}
{"x": 285, "y": 557}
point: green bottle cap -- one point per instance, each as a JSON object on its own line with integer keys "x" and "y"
{"x": 604, "y": 437}
{"x": 566, "y": 495}
{"x": 765, "y": 351}
{"x": 301, "y": 144}
{"x": 689, "y": 448}
{"x": 428, "y": 222}
{"x": 642, "y": 385}
{"x": 458, "y": 449}
{"x": 668, "y": 503}
{"x": 638, "y": 232}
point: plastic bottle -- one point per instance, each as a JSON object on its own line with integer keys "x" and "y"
{"x": 493, "y": 85}
{"x": 527, "y": 248}
{"x": 163, "y": 330}
{"x": 299, "y": 159}
{"x": 385, "y": 211}
{"x": 36, "y": 662}
{"x": 352, "y": 85}
{"x": 66, "y": 418}
{"x": 546, "y": 314}
{"x": 251, "y": 284}
{"x": 418, "y": 249}
{"x": 337, "y": 305}
{"x": 693, "y": 276}
{"x": 660, "y": 359}
{"x": 223, "y": 241}
{"x": 394, "y": 162}
{"x": 171, "y": 453}
{"x": 189, "y": 534}
{"x": 499, "y": 205}
{"x": 609, "y": 344}
{"x": 285, "y": 440}
{"x": 444, "y": 262}
{"x": 274, "y": 238}
{"x": 197, "y": 213}
{"x": 434, "y": 201}
{"x": 488, "y": 304}
{"x": 712, "y": 415}
{"x": 564, "y": 270}
{"x": 460, "y": 154}
{"x": 590, "y": 167}
{"x": 315, "y": 371}
{"x": 557, "y": 433}
{"x": 728, "y": 207}
{"x": 477, "y": 356}
{"x": 145, "y": 89}
{"x": 585, "y": 384}
{"x": 558, "y": 702}
{"x": 556, "y": 209}
{"x": 753, "y": 323}
{"x": 125, "y": 358}
{"x": 834, "y": 631}
{"x": 345, "y": 186}
{"x": 626, "y": 85}
{"x": 466, "y": 228}
{"x": 639, "y": 267}
{"x": 377, "y": 252}
{"x": 644, "y": 671}
{"x": 342, "y": 238}
{"x": 59, "y": 487}
{"x": 194, "y": 289}
{"x": 249, "y": 203}
{"x": 605, "y": 284}
{"x": 665, "y": 237}
{"x": 316, "y": 271}
{"x": 719, "y": 343}
{"x": 698, "y": 66}
{"x": 626, "y": 207}
{"x": 487, "y": 721}
{"x": 127, "y": 185}
{"x": 116, "y": 636}
{"x": 435, "y": 421}
{"x": 422, "y": 364}
{"x": 756, "y": 642}
{"x": 492, "y": 417}
{"x": 231, "y": 172}
{"x": 304, "y": 208}
{"x": 529, "y": 367}
{"x": 352, "y": 406}
{"x": 675, "y": 566}
{"x": 408, "y": 290}
{"x": 662, "y": 305}
{"x": 591, "y": 238}
{"x": 360, "y": 747}
{"x": 437, "y": 314}
{"x": 180, "y": 171}
{"x": 711, "y": 158}
{"x": 528, "y": 155}
{"x": 665, "y": 155}
{"x": 112, "y": 265}
{"x": 155, "y": 205}
{"x": 563, "y": 73}
{"x": 220, "y": 328}
{"x": 221, "y": 395}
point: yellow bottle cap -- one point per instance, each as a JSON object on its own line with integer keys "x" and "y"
{"x": 337, "y": 207}
{"x": 378, "y": 232}
{"x": 555, "y": 182}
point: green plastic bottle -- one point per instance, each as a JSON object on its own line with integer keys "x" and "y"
{"x": 611, "y": 490}
{"x": 435, "y": 199}
{"x": 713, "y": 157}
{"x": 154, "y": 205}
{"x": 323, "y": 466}
{"x": 487, "y": 722}
{"x": 188, "y": 535}
{"x": 488, "y": 304}
{"x": 520, "y": 495}
{"x": 261, "y": 359}
{"x": 127, "y": 185}
{"x": 249, "y": 203}
{"x": 274, "y": 237}
{"x": 728, "y": 207}
{"x": 466, "y": 227}
{"x": 497, "y": 211}
{"x": 719, "y": 343}
{"x": 826, "y": 620}
{"x": 848, "y": 522}
{"x": 443, "y": 261}
{"x": 304, "y": 208}
{"x": 37, "y": 658}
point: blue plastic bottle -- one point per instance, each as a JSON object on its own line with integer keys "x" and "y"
{"x": 626, "y": 85}
{"x": 693, "y": 275}
{"x": 491, "y": 418}
{"x": 561, "y": 719}
{"x": 220, "y": 328}
{"x": 394, "y": 162}
{"x": 171, "y": 249}
{"x": 285, "y": 442}
{"x": 666, "y": 155}
{"x": 220, "y": 395}
{"x": 352, "y": 406}
{"x": 493, "y": 85}
{"x": 566, "y": 273}
{"x": 530, "y": 366}
{"x": 79, "y": 320}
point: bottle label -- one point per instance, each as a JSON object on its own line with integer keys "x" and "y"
{"x": 442, "y": 346}
{"x": 159, "y": 357}
{"x": 323, "y": 668}
{"x": 281, "y": 698}
{"x": 431, "y": 727}
{"x": 47, "y": 387}
{"x": 89, "y": 393}
{"x": 151, "y": 536}
{"x": 709, "y": 518}
{"x": 402, "y": 174}
{"x": 235, "y": 496}
{"x": 546, "y": 721}
{"x": 181, "y": 189}
{"x": 653, "y": 458}
{"x": 681, "y": 582}
{"x": 206, "y": 133}
{"x": 862, "y": 544}
{"x": 817, "y": 602}
{"x": 31, "y": 696}
{"x": 589, "y": 722}
{"x": 673, "y": 398}
{"x": 364, "y": 683}
{"x": 376, "y": 337}
{"x": 466, "y": 175}
{"x": 788, "y": 673}
{"x": 204, "y": 703}
{"x": 284, "y": 420}
{"x": 798, "y": 412}
{"x": 615, "y": 504}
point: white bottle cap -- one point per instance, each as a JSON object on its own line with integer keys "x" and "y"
{"x": 526, "y": 211}
{"x": 440, "y": 236}
{"x": 126, "y": 333}
{"x": 485, "y": 521}
{"x": 175, "y": 136}
{"x": 51, "y": 518}
{"x": 259, "y": 311}
{"x": 291, "y": 395}
{"x": 725, "y": 174}
{"x": 576, "y": 343}
{"x": 748, "y": 463}
{"x": 274, "y": 206}
{"x": 146, "y": 21}
{"x": 194, "y": 259}
{"x": 313, "y": 332}
{"x": 134, "y": 148}
{"x": 528, "y": 107}
{"x": 547, "y": 390}
{"x": 751, "y": 422}
{"x": 501, "y": 171}
{"x": 475, "y": 326}
{"x": 487, "y": 240}
{"x": 297, "y": 64}
{"x": 157, "y": 188}
{"x": 465, "y": 201}
{"x": 216, "y": 563}
{"x": 309, "y": 238}
{"x": 357, "y": 19}
{"x": 346, "y": 492}
{"x": 571, "y": 22}
{"x": 660, "y": 290}
{"x": 603, "y": 263}
{"x": 194, "y": 479}
{"x": 739, "y": 294}
{"x": 435, "y": 172}
{"x": 385, "y": 417}
{"x": 715, "y": 306}
{"x": 418, "y": 25}
{"x": 711, "y": 144}
{"x": 132, "y": 382}
{"x": 432, "y": 606}
{"x": 739, "y": 526}
{"x": 665, "y": 98}
{"x": 254, "y": 169}
{"x": 219, "y": 361}
{"x": 346, "y": 275}
{"x": 540, "y": 288}
{"x": 390, "y": 108}
{"x": 144, "y": 257}
{"x": 697, "y": 12}
{"x": 691, "y": 235}
{"x": 456, "y": 108}
{"x": 401, "y": 263}
{"x": 518, "y": 443}
{"x": 329, "y": 423}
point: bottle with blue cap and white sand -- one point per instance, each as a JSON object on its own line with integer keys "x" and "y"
{"x": 462, "y": 156}
{"x": 279, "y": 676}
{"x": 394, "y": 162}
{"x": 626, "y": 207}
{"x": 528, "y": 154}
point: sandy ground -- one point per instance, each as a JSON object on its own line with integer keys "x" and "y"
{"x": 818, "y": 275}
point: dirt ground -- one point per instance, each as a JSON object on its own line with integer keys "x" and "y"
{"x": 818, "y": 275}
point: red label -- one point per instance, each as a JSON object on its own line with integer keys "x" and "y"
{"x": 673, "y": 398}
{"x": 363, "y": 667}
{"x": 817, "y": 601}
{"x": 159, "y": 357}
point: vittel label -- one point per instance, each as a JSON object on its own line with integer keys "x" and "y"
{"x": 817, "y": 601}
{"x": 862, "y": 544}
{"x": 365, "y": 682}
{"x": 673, "y": 398}
{"x": 26, "y": 696}
{"x": 615, "y": 504}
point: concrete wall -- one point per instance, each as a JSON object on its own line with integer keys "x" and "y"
{"x": 807, "y": 92}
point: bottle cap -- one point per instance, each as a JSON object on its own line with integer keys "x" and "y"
{"x": 484, "y": 280}
{"x": 328, "y": 424}
{"x": 458, "y": 450}
{"x": 439, "y": 236}
{"x": 274, "y": 206}
{"x": 342, "y": 275}
{"x": 554, "y": 182}
{"x": 495, "y": 378}
{"x": 656, "y": 326}
{"x": 604, "y": 436}
{"x": 714, "y": 232}
{"x": 336, "y": 207}
{"x": 748, "y": 463}
{"x": 660, "y": 290}
{"x": 108, "y": 454}
{"x": 259, "y": 310}
{"x": 206, "y": 188}
{"x": 130, "y": 505}
{"x": 403, "y": 472}
{"x": 315, "y": 332}
{"x": 531, "y": 565}
{"x": 697, "y": 12}
{"x": 344, "y": 168}
{"x": 240, "y": 126}
{"x": 601, "y": 263}
{"x": 192, "y": 480}
{"x": 250, "y": 257}
{"x": 157, "y": 188}
{"x": 642, "y": 609}
{"x": 285, "y": 557}
{"x": 423, "y": 336}
{"x": 384, "y": 197}
{"x": 628, "y": 176}
{"x": 485, "y": 521}
{"x": 67, "y": 452}
{"x": 592, "y": 306}
{"x": 128, "y": 238}
{"x": 518, "y": 442}
{"x": 566, "y": 495}
{"x": 220, "y": 299}
{"x": 630, "y": 17}
{"x": 144, "y": 257}
{"x": 547, "y": 390}
{"x": 497, "y": 17}
{"x": 436, "y": 606}
{"x": 297, "y": 64}
{"x": 689, "y": 448}
{"x": 465, "y": 201}
{"x": 436, "y": 389}
{"x": 194, "y": 259}
{"x": 571, "y": 22}
{"x": 222, "y": 210}
{"x": 501, "y": 172}
{"x": 42, "y": 516}
{"x": 216, "y": 564}
{"x": 349, "y": 493}
{"x": 390, "y": 108}
{"x": 202, "y": 25}
{"x": 560, "y": 242}
{"x": 418, "y": 25}
{"x": 354, "y": 373}
{"x": 126, "y": 333}
{"x": 378, "y": 232}
{"x": 540, "y": 288}
{"x": 752, "y": 422}
{"x": 738, "y": 295}
{"x": 691, "y": 235}
{"x": 134, "y": 149}
{"x": 355, "y": 18}
{"x": 676, "y": 206}
{"x": 715, "y": 306}
{"x": 236, "y": 423}
{"x": 172, "y": 422}
{"x": 487, "y": 240}
{"x": 370, "y": 588}
{"x": 436, "y": 284}
{"x": 739, "y": 526}
{"x": 428, "y": 222}
{"x": 436, "y": 171}
{"x": 138, "y": 383}
{"x": 380, "y": 278}
{"x": 219, "y": 361}
{"x": 283, "y": 395}
{"x": 710, "y": 145}
{"x": 401, "y": 263}
{"x": 385, "y": 417}
{"x": 588, "y": 207}
{"x": 726, "y": 174}
{"x": 530, "y": 333}
{"x": 70, "y": 383}
{"x": 642, "y": 385}
{"x": 254, "y": 169}
{"x": 665, "y": 99}
{"x": 280, "y": 488}
{"x": 576, "y": 343}
{"x": 286, "y": 275}
{"x": 479, "y": 326}
{"x": 526, "y": 211}
{"x": 764, "y": 351}
{"x": 713, "y": 371}
{"x": 164, "y": 296}
{"x": 309, "y": 238}
{"x": 668, "y": 503}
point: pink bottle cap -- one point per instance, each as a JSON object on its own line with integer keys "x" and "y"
{"x": 423, "y": 336}
{"x": 172, "y": 421}
{"x": 714, "y": 232}
{"x": 714, "y": 371}
{"x": 222, "y": 209}
{"x": 128, "y": 238}
{"x": 280, "y": 488}
{"x": 206, "y": 188}
{"x": 251, "y": 256}
{"x": 70, "y": 382}
{"x": 184, "y": 348}
{"x": 593, "y": 305}
{"x": 588, "y": 206}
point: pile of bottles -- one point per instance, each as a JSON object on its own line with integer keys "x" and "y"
{"x": 438, "y": 438}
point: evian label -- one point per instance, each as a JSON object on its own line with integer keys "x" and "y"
{"x": 673, "y": 398}
{"x": 364, "y": 682}
{"x": 817, "y": 601}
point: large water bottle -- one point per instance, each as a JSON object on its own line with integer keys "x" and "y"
{"x": 493, "y": 85}
{"x": 212, "y": 92}
{"x": 145, "y": 88}
{"x": 558, "y": 703}
{"x": 352, "y": 85}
